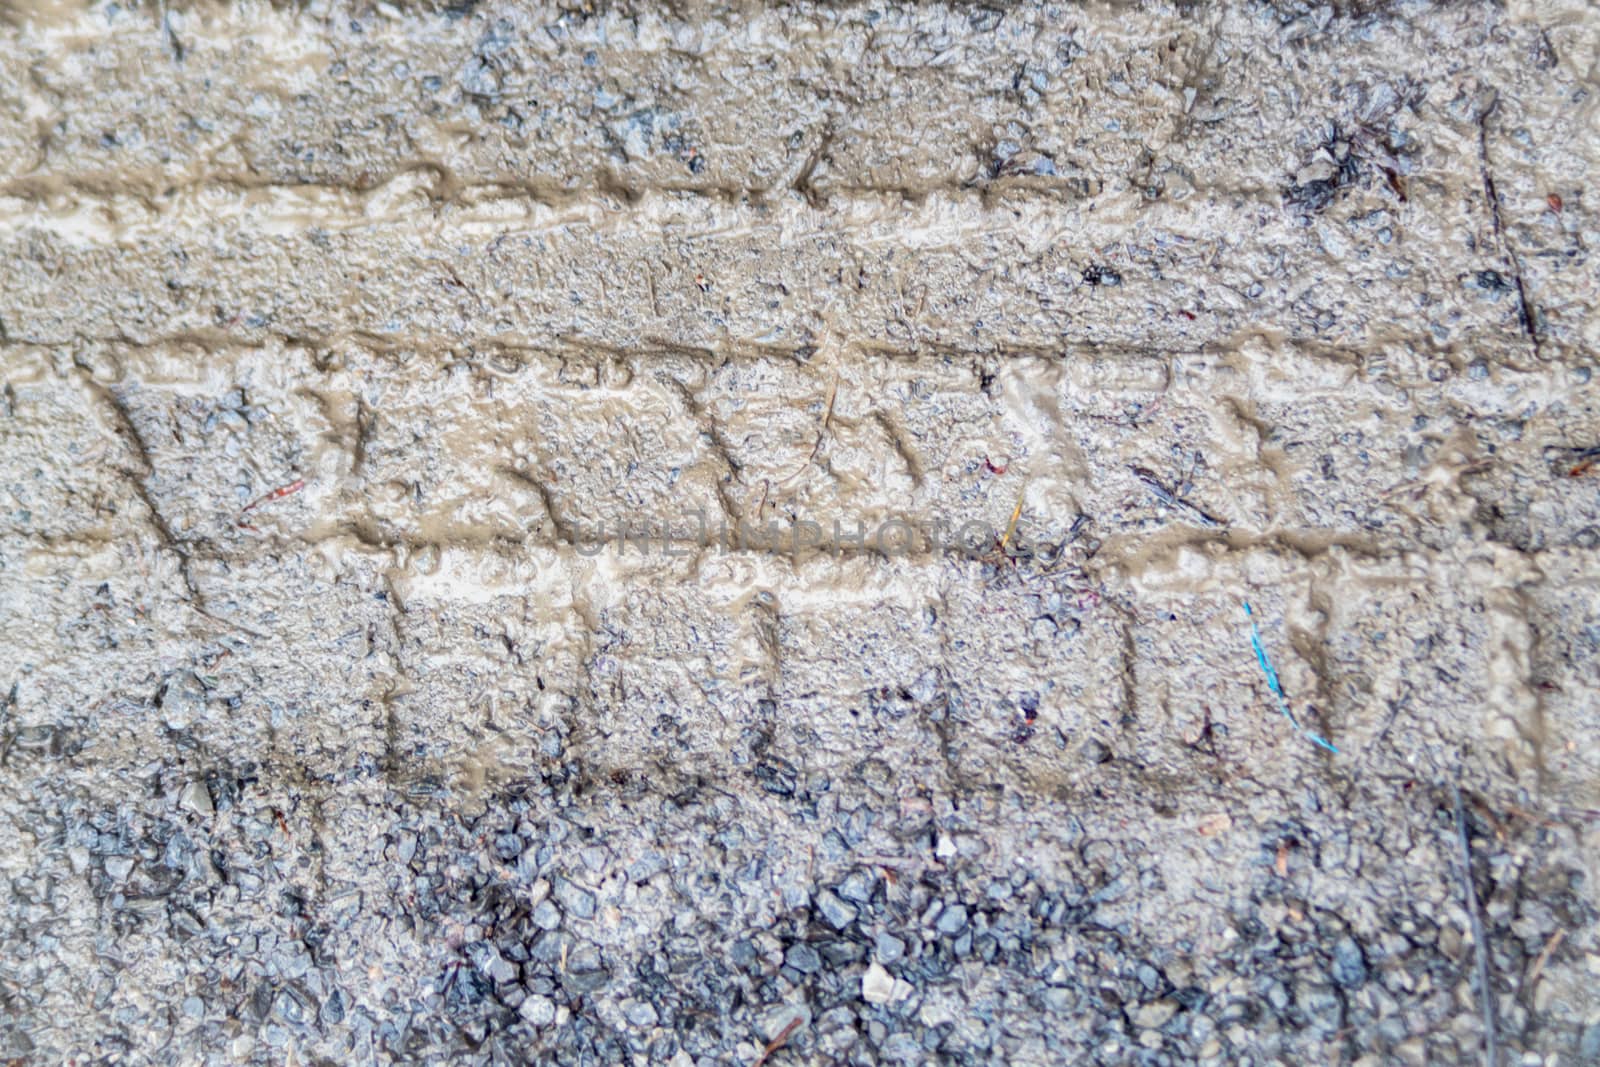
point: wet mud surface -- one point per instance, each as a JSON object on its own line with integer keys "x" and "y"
{"x": 481, "y": 508}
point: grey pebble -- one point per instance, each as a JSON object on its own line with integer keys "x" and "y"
{"x": 952, "y": 920}
{"x": 803, "y": 958}
{"x": 546, "y": 916}
{"x": 646, "y": 867}
{"x": 1349, "y": 964}
{"x": 836, "y": 911}
{"x": 540, "y": 1011}
{"x": 857, "y": 887}
{"x": 573, "y": 898}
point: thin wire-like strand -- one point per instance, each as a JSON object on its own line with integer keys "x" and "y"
{"x": 1276, "y": 686}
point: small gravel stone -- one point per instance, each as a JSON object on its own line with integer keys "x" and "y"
{"x": 803, "y": 958}
{"x": 1349, "y": 965}
{"x": 836, "y": 911}
{"x": 196, "y": 798}
{"x": 495, "y": 966}
{"x": 1154, "y": 1015}
{"x": 889, "y": 948}
{"x": 585, "y": 959}
{"x": 546, "y": 916}
{"x": 877, "y": 986}
{"x": 952, "y": 920}
{"x": 288, "y": 1008}
{"x": 856, "y": 887}
{"x": 508, "y": 847}
{"x": 573, "y": 898}
{"x": 646, "y": 867}
{"x": 1589, "y": 1044}
{"x": 839, "y": 953}
{"x": 779, "y": 1019}
{"x": 540, "y": 1011}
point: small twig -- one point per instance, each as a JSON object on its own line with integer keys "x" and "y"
{"x": 778, "y": 1042}
{"x": 1171, "y": 499}
{"x": 1533, "y": 816}
{"x": 1525, "y": 309}
{"x": 235, "y": 624}
{"x": 822, "y": 432}
{"x": 463, "y": 285}
{"x": 1580, "y": 459}
{"x": 1544, "y": 957}
{"x": 1206, "y": 739}
{"x": 1011, "y": 527}
{"x": 275, "y": 494}
{"x": 1491, "y": 1045}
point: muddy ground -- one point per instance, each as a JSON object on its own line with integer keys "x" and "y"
{"x": 957, "y": 374}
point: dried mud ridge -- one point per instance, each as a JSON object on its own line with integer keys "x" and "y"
{"x": 338, "y": 342}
